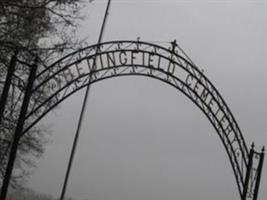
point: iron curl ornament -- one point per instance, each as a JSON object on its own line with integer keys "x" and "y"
{"x": 138, "y": 58}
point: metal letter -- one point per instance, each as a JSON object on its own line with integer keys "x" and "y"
{"x": 124, "y": 61}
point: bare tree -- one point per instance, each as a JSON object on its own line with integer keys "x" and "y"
{"x": 43, "y": 28}
{"x": 29, "y": 195}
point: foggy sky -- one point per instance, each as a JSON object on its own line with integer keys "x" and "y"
{"x": 142, "y": 139}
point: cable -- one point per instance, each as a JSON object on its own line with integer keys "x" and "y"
{"x": 83, "y": 108}
{"x": 180, "y": 48}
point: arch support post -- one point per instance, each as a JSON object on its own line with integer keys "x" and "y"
{"x": 259, "y": 170}
{"x": 248, "y": 173}
{"x": 18, "y": 132}
{"x": 4, "y": 95}
{"x": 253, "y": 174}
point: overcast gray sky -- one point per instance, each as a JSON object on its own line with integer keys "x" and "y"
{"x": 142, "y": 139}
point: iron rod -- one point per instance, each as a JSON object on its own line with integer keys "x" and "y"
{"x": 18, "y": 132}
{"x": 7, "y": 84}
{"x": 4, "y": 96}
{"x": 259, "y": 170}
{"x": 248, "y": 172}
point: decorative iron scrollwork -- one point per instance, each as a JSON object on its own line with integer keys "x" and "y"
{"x": 167, "y": 64}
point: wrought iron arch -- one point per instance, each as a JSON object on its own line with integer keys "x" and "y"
{"x": 122, "y": 58}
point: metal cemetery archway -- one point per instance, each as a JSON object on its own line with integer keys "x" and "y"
{"x": 122, "y": 58}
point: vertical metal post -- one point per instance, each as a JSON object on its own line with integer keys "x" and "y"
{"x": 249, "y": 167}
{"x": 7, "y": 84}
{"x": 4, "y": 95}
{"x": 18, "y": 131}
{"x": 259, "y": 170}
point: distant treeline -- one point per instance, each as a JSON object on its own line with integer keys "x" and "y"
{"x": 29, "y": 194}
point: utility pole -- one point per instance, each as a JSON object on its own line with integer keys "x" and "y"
{"x": 75, "y": 141}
